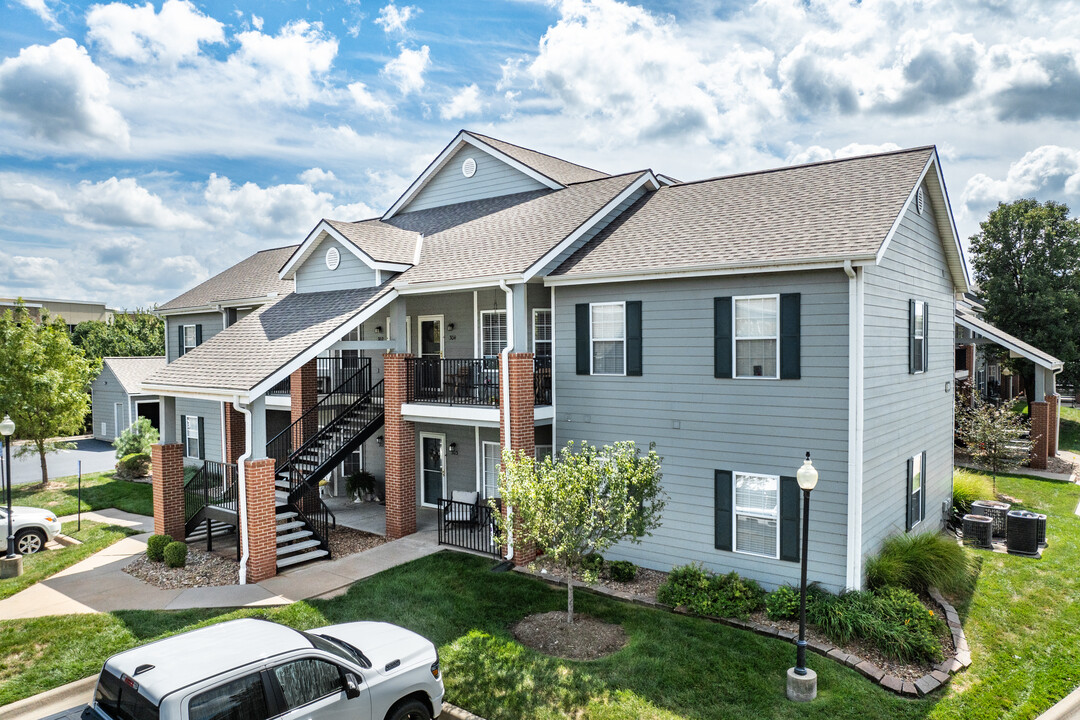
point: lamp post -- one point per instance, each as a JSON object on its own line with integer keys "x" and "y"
{"x": 802, "y": 682}
{"x": 11, "y": 565}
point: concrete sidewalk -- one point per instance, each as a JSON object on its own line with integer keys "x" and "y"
{"x": 98, "y": 584}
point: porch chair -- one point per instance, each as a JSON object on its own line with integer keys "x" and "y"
{"x": 463, "y": 508}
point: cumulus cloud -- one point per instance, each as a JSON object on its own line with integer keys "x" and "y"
{"x": 817, "y": 153}
{"x": 30, "y": 271}
{"x": 464, "y": 103}
{"x": 1050, "y": 172}
{"x": 43, "y": 11}
{"x": 394, "y": 19}
{"x": 139, "y": 34}
{"x": 61, "y": 96}
{"x": 366, "y": 102}
{"x": 287, "y": 68}
{"x": 318, "y": 176}
{"x": 1036, "y": 79}
{"x": 407, "y": 69}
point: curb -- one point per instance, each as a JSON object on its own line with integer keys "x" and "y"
{"x": 453, "y": 712}
{"x": 55, "y": 700}
{"x": 1068, "y": 708}
{"x": 66, "y": 541}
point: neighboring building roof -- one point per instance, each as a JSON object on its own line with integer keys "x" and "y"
{"x": 252, "y": 277}
{"x": 561, "y": 171}
{"x": 840, "y": 209}
{"x": 131, "y": 371}
{"x": 969, "y": 320}
{"x": 248, "y": 352}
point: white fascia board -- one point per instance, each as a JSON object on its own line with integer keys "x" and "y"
{"x": 543, "y": 412}
{"x": 942, "y": 198}
{"x": 193, "y": 310}
{"x": 464, "y": 138}
{"x": 405, "y": 288}
{"x": 450, "y": 414}
{"x": 703, "y": 271}
{"x": 187, "y": 391}
{"x": 1039, "y": 360}
{"x": 314, "y": 239}
{"x": 647, "y": 179}
{"x": 278, "y": 402}
{"x": 321, "y": 346}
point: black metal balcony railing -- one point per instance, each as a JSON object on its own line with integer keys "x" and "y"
{"x": 330, "y": 372}
{"x": 542, "y": 380}
{"x": 455, "y": 382}
{"x": 214, "y": 484}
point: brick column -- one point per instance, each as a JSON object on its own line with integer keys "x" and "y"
{"x": 261, "y": 520}
{"x": 1040, "y": 434}
{"x": 304, "y": 393}
{"x": 1053, "y": 403}
{"x": 400, "y": 448}
{"x": 522, "y": 399}
{"x": 167, "y": 472}
{"x": 234, "y": 433}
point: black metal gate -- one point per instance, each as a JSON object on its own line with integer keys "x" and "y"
{"x": 470, "y": 526}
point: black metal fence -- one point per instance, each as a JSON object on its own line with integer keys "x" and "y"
{"x": 542, "y": 380}
{"x": 215, "y": 483}
{"x": 470, "y": 526}
{"x": 455, "y": 382}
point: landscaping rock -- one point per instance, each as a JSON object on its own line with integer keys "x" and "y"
{"x": 927, "y": 684}
{"x": 909, "y": 688}
{"x": 893, "y": 683}
{"x": 941, "y": 677}
{"x": 870, "y": 670}
{"x": 950, "y": 666}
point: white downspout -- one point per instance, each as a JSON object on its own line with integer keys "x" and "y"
{"x": 505, "y": 361}
{"x": 855, "y": 430}
{"x": 242, "y": 489}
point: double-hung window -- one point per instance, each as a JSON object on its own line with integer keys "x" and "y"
{"x": 542, "y": 332}
{"x": 757, "y": 514}
{"x": 492, "y": 332}
{"x": 916, "y": 490}
{"x": 608, "y": 338}
{"x": 757, "y": 336}
{"x": 491, "y": 458}
{"x": 918, "y": 327}
{"x": 190, "y": 338}
{"x": 191, "y": 436}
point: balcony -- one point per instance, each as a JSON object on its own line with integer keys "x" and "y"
{"x": 329, "y": 373}
{"x": 467, "y": 389}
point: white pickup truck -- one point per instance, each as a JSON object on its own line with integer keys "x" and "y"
{"x": 254, "y": 670}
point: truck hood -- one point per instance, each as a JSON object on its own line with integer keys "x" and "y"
{"x": 24, "y": 514}
{"x": 383, "y": 644}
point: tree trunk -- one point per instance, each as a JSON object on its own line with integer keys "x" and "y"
{"x": 44, "y": 465}
{"x": 569, "y": 596}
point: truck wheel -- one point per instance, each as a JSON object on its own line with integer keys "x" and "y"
{"x": 411, "y": 710}
{"x": 29, "y": 541}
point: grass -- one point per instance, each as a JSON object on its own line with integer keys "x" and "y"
{"x": 1022, "y": 621}
{"x": 1069, "y": 439}
{"x": 94, "y": 536}
{"x": 99, "y": 491}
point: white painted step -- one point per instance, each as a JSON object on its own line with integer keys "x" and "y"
{"x": 291, "y": 525}
{"x": 289, "y": 515}
{"x": 297, "y": 547}
{"x": 298, "y": 535}
{"x": 302, "y": 558}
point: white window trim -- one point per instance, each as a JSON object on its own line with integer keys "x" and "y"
{"x": 188, "y": 421}
{"x": 195, "y": 335}
{"x": 441, "y": 437}
{"x": 484, "y": 446}
{"x": 735, "y": 338}
{"x": 592, "y": 354}
{"x": 735, "y": 513}
{"x": 506, "y": 325}
{"x": 552, "y": 323}
{"x": 917, "y": 458}
{"x": 919, "y": 333}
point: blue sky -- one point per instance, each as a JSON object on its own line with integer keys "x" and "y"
{"x": 147, "y": 146}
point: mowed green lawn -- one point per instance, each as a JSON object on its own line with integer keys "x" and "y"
{"x": 1023, "y": 623}
{"x": 1069, "y": 439}
{"x": 99, "y": 491}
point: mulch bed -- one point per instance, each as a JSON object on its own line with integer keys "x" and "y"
{"x": 586, "y": 639}
{"x": 349, "y": 541}
{"x": 203, "y": 569}
{"x": 645, "y": 583}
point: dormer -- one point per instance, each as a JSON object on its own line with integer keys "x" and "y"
{"x": 329, "y": 259}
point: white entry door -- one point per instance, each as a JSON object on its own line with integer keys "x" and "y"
{"x": 432, "y": 468}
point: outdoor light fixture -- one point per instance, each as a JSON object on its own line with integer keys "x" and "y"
{"x": 450, "y": 327}
{"x": 801, "y": 682}
{"x": 7, "y": 428}
{"x": 378, "y": 329}
{"x": 453, "y": 448}
{"x": 380, "y": 440}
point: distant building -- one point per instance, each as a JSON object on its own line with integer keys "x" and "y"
{"x": 72, "y": 311}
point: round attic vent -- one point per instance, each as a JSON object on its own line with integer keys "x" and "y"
{"x": 333, "y": 258}
{"x": 919, "y": 200}
{"x": 468, "y": 168}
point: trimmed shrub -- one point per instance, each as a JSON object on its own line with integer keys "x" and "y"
{"x": 782, "y": 603}
{"x": 917, "y": 561}
{"x": 967, "y": 488}
{"x": 892, "y": 619}
{"x": 683, "y": 584}
{"x": 155, "y": 547}
{"x": 133, "y": 465}
{"x": 592, "y": 563}
{"x": 136, "y": 439}
{"x": 622, "y": 570}
{"x": 704, "y": 593}
{"x": 176, "y": 554}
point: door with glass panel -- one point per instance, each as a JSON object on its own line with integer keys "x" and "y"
{"x": 430, "y": 351}
{"x": 432, "y": 468}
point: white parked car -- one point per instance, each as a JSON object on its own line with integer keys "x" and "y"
{"x": 33, "y": 528}
{"x": 254, "y": 670}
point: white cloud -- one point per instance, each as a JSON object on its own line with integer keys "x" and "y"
{"x": 393, "y": 19}
{"x": 407, "y": 69}
{"x": 287, "y": 68}
{"x": 139, "y": 34}
{"x": 43, "y": 11}
{"x": 318, "y": 176}
{"x": 62, "y": 96}
{"x": 366, "y": 102}
{"x": 31, "y": 271}
{"x": 464, "y": 103}
{"x": 817, "y": 153}
{"x": 1049, "y": 172}
{"x": 257, "y": 22}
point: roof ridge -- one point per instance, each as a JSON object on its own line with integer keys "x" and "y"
{"x": 538, "y": 152}
{"x": 280, "y": 247}
{"x": 133, "y": 357}
{"x": 784, "y": 168}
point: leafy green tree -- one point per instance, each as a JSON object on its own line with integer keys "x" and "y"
{"x": 1027, "y": 266}
{"x": 992, "y": 435}
{"x": 136, "y": 439}
{"x": 135, "y": 334}
{"x": 582, "y": 503}
{"x": 43, "y": 382}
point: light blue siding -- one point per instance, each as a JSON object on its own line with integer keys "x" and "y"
{"x": 351, "y": 272}
{"x": 493, "y": 178}
{"x": 762, "y": 426}
{"x": 210, "y": 411}
{"x": 212, "y": 323}
{"x": 107, "y": 391}
{"x": 907, "y": 414}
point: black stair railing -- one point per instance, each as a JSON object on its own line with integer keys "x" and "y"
{"x": 215, "y": 484}
{"x": 542, "y": 380}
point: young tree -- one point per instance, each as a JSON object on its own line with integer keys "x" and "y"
{"x": 583, "y": 502}
{"x": 991, "y": 434}
{"x": 1026, "y": 257}
{"x": 134, "y": 334}
{"x": 43, "y": 382}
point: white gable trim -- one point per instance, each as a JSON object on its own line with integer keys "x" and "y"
{"x": 463, "y": 138}
{"x": 647, "y": 179}
{"x": 954, "y": 251}
{"x": 315, "y": 238}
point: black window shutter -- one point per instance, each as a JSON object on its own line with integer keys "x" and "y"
{"x": 724, "y": 510}
{"x": 910, "y": 521}
{"x": 582, "y": 329}
{"x": 926, "y": 336}
{"x": 633, "y": 337}
{"x": 202, "y": 439}
{"x": 722, "y": 337}
{"x": 198, "y": 335}
{"x": 790, "y": 331}
{"x": 183, "y": 432}
{"x": 911, "y": 337}
{"x": 789, "y": 519}
{"x": 181, "y": 343}
{"x": 922, "y": 491}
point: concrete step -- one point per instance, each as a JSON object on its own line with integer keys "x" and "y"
{"x": 290, "y": 537}
{"x": 287, "y": 515}
{"x": 290, "y": 525}
{"x": 302, "y": 558}
{"x": 281, "y": 497}
{"x": 282, "y": 484}
{"x": 296, "y": 547}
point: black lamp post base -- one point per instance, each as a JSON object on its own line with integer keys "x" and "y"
{"x": 10, "y": 567}
{"x": 801, "y": 688}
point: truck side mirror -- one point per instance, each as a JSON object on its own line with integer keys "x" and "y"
{"x": 352, "y": 686}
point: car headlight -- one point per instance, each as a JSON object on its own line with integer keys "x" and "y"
{"x": 50, "y": 518}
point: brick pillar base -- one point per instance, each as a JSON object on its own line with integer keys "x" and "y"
{"x": 303, "y": 394}
{"x": 1040, "y": 434}
{"x": 167, "y": 472}
{"x": 1053, "y": 404}
{"x": 234, "y": 433}
{"x": 400, "y": 448}
{"x": 261, "y": 520}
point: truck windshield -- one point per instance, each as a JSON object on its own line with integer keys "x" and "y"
{"x": 339, "y": 647}
{"x": 120, "y": 702}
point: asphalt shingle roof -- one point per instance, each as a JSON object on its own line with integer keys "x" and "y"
{"x": 246, "y": 353}
{"x": 841, "y": 208}
{"x": 131, "y": 371}
{"x": 383, "y": 242}
{"x": 561, "y": 171}
{"x": 253, "y": 277}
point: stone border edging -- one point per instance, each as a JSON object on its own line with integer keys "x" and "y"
{"x": 923, "y": 686}
{"x": 453, "y": 712}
